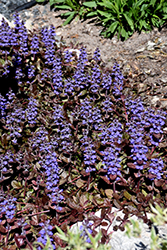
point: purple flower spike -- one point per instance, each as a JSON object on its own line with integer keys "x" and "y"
{"x": 7, "y": 205}
{"x": 46, "y": 230}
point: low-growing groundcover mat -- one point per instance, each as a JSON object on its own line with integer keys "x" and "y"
{"x": 75, "y": 138}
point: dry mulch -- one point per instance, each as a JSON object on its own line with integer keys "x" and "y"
{"x": 142, "y": 58}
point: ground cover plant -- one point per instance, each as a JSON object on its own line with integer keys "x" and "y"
{"x": 121, "y": 17}
{"x": 75, "y": 138}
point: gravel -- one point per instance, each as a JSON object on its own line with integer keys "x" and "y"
{"x": 8, "y": 6}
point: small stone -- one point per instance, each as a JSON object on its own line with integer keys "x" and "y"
{"x": 1, "y": 17}
{"x": 150, "y": 45}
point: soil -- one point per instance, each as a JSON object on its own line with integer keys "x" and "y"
{"x": 142, "y": 57}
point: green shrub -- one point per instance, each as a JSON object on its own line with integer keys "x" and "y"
{"x": 121, "y": 17}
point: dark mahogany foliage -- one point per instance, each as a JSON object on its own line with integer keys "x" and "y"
{"x": 74, "y": 138}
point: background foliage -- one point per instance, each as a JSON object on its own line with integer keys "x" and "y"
{"x": 121, "y": 17}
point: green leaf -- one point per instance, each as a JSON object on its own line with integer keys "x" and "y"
{"x": 93, "y": 13}
{"x": 61, "y": 234}
{"x": 108, "y": 5}
{"x": 152, "y": 2}
{"x": 91, "y": 4}
{"x": 67, "y": 13}
{"x": 52, "y": 2}
{"x": 68, "y": 20}
{"x": 139, "y": 3}
{"x": 39, "y": 1}
{"x": 63, "y": 7}
{"x": 48, "y": 244}
{"x": 92, "y": 239}
{"x": 129, "y": 20}
{"x": 104, "y": 13}
{"x": 113, "y": 26}
{"x": 70, "y": 3}
{"x": 164, "y": 9}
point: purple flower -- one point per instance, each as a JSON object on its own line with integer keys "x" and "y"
{"x": 57, "y": 76}
{"x": 156, "y": 167}
{"x": 46, "y": 230}
{"x": 67, "y": 56}
{"x": 34, "y": 44}
{"x": 22, "y": 34}
{"x": 58, "y": 114}
{"x": 80, "y": 79}
{"x": 90, "y": 157}
{"x": 84, "y": 228}
{"x": 111, "y": 161}
{"x": 49, "y": 163}
{"x": 31, "y": 111}
{"x": 3, "y": 103}
{"x": 5, "y": 160}
{"x": 106, "y": 81}
{"x": 40, "y": 141}
{"x": 46, "y": 74}
{"x": 48, "y": 38}
{"x": 69, "y": 86}
{"x": 107, "y": 106}
{"x": 96, "y": 55}
{"x": 90, "y": 116}
{"x": 31, "y": 71}
{"x": 111, "y": 134}
{"x": 5, "y": 35}
{"x": 95, "y": 79}
{"x": 7, "y": 205}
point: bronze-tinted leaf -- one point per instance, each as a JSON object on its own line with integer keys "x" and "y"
{"x": 19, "y": 239}
{"x": 83, "y": 200}
{"x": 150, "y": 188}
{"x": 73, "y": 205}
{"x": 104, "y": 224}
{"x": 113, "y": 177}
{"x": 137, "y": 175}
{"x": 127, "y": 195}
{"x": 97, "y": 222}
{"x": 3, "y": 229}
{"x": 162, "y": 145}
{"x": 117, "y": 204}
{"x": 109, "y": 193}
{"x": 118, "y": 218}
{"x": 34, "y": 182}
{"x": 158, "y": 183}
{"x": 131, "y": 165}
{"x": 164, "y": 186}
{"x": 98, "y": 199}
{"x": 16, "y": 184}
{"x": 80, "y": 183}
{"x": 110, "y": 217}
{"x": 105, "y": 179}
{"x": 122, "y": 182}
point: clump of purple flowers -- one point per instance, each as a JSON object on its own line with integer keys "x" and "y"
{"x": 84, "y": 228}
{"x": 7, "y": 205}
{"x": 49, "y": 163}
{"x": 67, "y": 128}
{"x": 46, "y": 230}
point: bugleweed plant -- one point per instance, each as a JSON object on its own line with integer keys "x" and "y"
{"x": 121, "y": 17}
{"x": 74, "y": 138}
